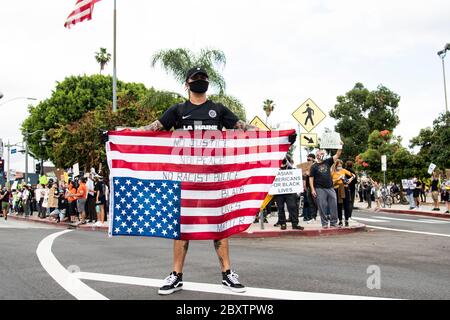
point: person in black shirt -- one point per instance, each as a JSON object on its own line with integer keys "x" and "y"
{"x": 198, "y": 113}
{"x": 322, "y": 189}
{"x": 4, "y": 202}
{"x": 291, "y": 202}
{"x": 434, "y": 188}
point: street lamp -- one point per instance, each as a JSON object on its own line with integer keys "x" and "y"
{"x": 442, "y": 55}
{"x": 42, "y": 144}
{"x": 16, "y": 98}
{"x": 26, "y": 135}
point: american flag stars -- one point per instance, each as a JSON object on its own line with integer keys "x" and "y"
{"x": 146, "y": 208}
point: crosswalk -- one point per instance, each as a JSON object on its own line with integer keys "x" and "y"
{"x": 383, "y": 219}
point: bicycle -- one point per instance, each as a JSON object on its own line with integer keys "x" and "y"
{"x": 386, "y": 198}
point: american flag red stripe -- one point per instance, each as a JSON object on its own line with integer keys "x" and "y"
{"x": 82, "y": 11}
{"x": 217, "y": 200}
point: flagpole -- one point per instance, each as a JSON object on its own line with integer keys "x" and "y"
{"x": 114, "y": 61}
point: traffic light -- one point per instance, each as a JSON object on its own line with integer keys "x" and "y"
{"x": 38, "y": 168}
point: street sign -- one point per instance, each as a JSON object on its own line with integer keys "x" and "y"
{"x": 309, "y": 115}
{"x": 383, "y": 163}
{"x": 308, "y": 139}
{"x": 330, "y": 140}
{"x": 431, "y": 168}
{"x": 13, "y": 151}
{"x": 257, "y": 122}
{"x": 287, "y": 181}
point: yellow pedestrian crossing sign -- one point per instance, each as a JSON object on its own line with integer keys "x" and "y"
{"x": 309, "y": 115}
{"x": 257, "y": 122}
{"x": 308, "y": 139}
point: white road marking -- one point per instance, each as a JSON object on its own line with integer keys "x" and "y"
{"x": 368, "y": 219}
{"x": 14, "y": 224}
{"x": 410, "y": 231}
{"x": 71, "y": 282}
{"x": 415, "y": 220}
{"x": 61, "y": 275}
{"x": 218, "y": 289}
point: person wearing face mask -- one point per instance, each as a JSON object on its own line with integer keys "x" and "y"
{"x": 198, "y": 113}
{"x": 321, "y": 184}
{"x": 309, "y": 205}
{"x": 342, "y": 179}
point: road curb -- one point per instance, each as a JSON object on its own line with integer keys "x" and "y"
{"x": 417, "y": 213}
{"x": 247, "y": 234}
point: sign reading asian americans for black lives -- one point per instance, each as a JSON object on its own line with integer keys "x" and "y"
{"x": 287, "y": 181}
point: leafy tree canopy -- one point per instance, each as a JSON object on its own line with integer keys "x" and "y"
{"x": 360, "y": 112}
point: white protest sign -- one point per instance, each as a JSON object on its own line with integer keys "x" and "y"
{"x": 330, "y": 140}
{"x": 431, "y": 168}
{"x": 76, "y": 169}
{"x": 405, "y": 184}
{"x": 287, "y": 181}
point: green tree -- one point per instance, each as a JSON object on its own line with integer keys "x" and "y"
{"x": 80, "y": 141}
{"x": 178, "y": 61}
{"x": 401, "y": 163}
{"x": 102, "y": 57}
{"x": 360, "y": 112}
{"x": 70, "y": 100}
{"x": 434, "y": 142}
{"x": 268, "y": 107}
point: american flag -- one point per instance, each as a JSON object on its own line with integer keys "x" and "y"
{"x": 82, "y": 11}
{"x": 190, "y": 185}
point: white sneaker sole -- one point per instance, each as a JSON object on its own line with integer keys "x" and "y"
{"x": 167, "y": 292}
{"x": 237, "y": 290}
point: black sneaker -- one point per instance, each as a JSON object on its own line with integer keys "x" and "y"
{"x": 173, "y": 283}
{"x": 346, "y": 223}
{"x": 283, "y": 227}
{"x": 230, "y": 280}
{"x": 340, "y": 224}
{"x": 298, "y": 228}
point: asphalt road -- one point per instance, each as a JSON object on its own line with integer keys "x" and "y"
{"x": 412, "y": 265}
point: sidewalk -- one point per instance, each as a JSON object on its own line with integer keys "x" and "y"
{"x": 426, "y": 209}
{"x": 255, "y": 231}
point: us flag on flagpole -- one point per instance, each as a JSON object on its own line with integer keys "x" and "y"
{"x": 82, "y": 11}
{"x": 190, "y": 185}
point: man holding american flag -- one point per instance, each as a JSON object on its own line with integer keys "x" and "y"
{"x": 209, "y": 192}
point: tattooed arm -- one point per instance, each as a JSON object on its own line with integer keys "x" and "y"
{"x": 154, "y": 126}
{"x": 241, "y": 125}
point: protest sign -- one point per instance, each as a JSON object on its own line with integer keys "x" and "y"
{"x": 287, "y": 181}
{"x": 431, "y": 168}
{"x": 330, "y": 140}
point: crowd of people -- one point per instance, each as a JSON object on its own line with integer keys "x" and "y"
{"x": 82, "y": 200}
{"x": 335, "y": 187}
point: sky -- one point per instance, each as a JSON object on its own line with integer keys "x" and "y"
{"x": 286, "y": 51}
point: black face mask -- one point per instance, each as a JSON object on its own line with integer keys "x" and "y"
{"x": 199, "y": 86}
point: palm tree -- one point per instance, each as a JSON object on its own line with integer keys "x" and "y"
{"x": 179, "y": 61}
{"x": 103, "y": 58}
{"x": 268, "y": 107}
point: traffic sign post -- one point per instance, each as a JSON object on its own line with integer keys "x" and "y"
{"x": 309, "y": 115}
{"x": 308, "y": 139}
{"x": 257, "y": 122}
{"x": 384, "y": 167}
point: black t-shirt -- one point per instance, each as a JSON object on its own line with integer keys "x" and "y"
{"x": 100, "y": 187}
{"x": 352, "y": 185}
{"x": 322, "y": 175}
{"x": 4, "y": 196}
{"x": 206, "y": 116}
{"x": 434, "y": 185}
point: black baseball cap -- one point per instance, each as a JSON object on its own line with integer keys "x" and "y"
{"x": 192, "y": 72}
